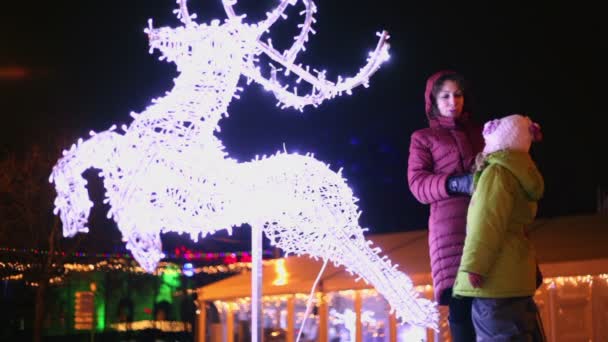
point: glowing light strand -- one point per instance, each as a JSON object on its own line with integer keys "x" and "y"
{"x": 178, "y": 254}
{"x": 167, "y": 171}
{"x": 118, "y": 265}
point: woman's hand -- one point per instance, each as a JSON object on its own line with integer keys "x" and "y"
{"x": 460, "y": 185}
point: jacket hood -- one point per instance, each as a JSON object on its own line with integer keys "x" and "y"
{"x": 428, "y": 103}
{"x": 521, "y": 165}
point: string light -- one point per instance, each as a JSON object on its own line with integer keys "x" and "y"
{"x": 14, "y": 277}
{"x": 558, "y": 282}
{"x": 166, "y": 326}
{"x": 180, "y": 253}
{"x": 550, "y": 283}
{"x": 167, "y": 171}
{"x": 117, "y": 265}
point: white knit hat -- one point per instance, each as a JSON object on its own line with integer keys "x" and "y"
{"x": 513, "y": 132}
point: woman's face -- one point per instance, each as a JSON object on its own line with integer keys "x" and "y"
{"x": 450, "y": 99}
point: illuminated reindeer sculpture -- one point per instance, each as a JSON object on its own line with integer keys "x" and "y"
{"x": 167, "y": 171}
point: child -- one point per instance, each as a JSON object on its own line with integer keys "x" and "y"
{"x": 498, "y": 265}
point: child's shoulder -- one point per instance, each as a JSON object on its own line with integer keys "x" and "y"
{"x": 494, "y": 172}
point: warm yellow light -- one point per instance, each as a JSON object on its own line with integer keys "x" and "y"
{"x": 281, "y": 272}
{"x": 424, "y": 288}
{"x": 166, "y": 326}
{"x": 556, "y": 282}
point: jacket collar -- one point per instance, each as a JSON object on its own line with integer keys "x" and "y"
{"x": 448, "y": 122}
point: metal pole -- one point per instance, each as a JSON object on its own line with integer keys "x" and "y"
{"x": 256, "y": 283}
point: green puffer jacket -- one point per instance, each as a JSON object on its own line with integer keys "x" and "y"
{"x": 503, "y": 205}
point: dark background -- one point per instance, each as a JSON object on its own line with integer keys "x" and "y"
{"x": 74, "y": 66}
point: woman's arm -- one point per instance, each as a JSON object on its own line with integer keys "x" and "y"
{"x": 425, "y": 185}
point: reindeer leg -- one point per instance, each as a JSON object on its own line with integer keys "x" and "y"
{"x": 146, "y": 248}
{"x": 319, "y": 217}
{"x": 72, "y": 202}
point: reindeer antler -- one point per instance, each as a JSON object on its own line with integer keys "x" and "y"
{"x": 298, "y": 45}
{"x": 322, "y": 88}
{"x": 271, "y": 17}
{"x": 182, "y": 13}
{"x": 278, "y": 12}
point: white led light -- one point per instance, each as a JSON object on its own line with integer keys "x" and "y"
{"x": 167, "y": 171}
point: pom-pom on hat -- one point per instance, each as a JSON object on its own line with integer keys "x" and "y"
{"x": 513, "y": 132}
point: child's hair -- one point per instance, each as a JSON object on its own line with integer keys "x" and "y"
{"x": 478, "y": 166}
{"x": 480, "y": 162}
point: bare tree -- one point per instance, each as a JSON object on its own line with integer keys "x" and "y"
{"x": 27, "y": 221}
{"x": 602, "y": 200}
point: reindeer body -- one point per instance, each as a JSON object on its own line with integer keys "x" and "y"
{"x": 167, "y": 171}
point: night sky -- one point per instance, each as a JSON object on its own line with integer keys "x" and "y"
{"x": 86, "y": 65}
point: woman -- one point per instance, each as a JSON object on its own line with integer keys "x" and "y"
{"x": 440, "y": 163}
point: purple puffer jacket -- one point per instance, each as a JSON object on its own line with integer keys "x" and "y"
{"x": 448, "y": 147}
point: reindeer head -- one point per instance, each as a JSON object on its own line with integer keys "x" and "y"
{"x": 202, "y": 44}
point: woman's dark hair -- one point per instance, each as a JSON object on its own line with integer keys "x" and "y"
{"x": 462, "y": 84}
